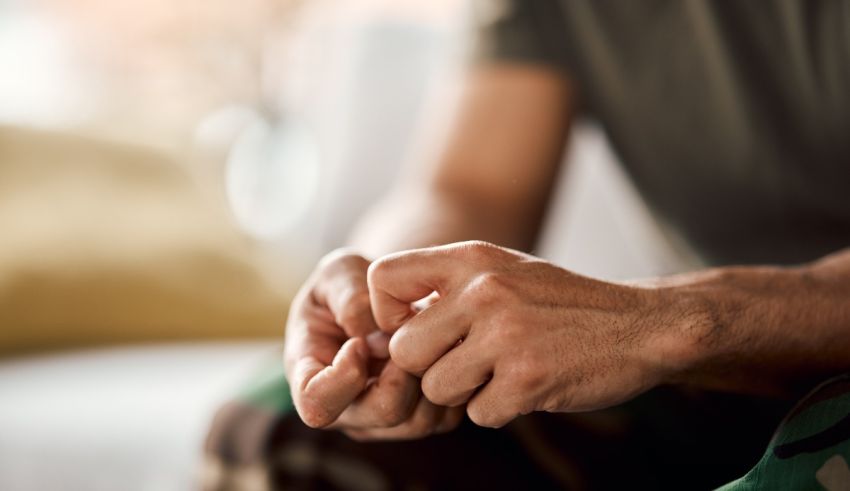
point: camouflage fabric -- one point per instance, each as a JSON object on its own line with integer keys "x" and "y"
{"x": 666, "y": 439}
{"x": 811, "y": 448}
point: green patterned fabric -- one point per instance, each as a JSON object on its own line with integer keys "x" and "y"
{"x": 663, "y": 440}
{"x": 811, "y": 448}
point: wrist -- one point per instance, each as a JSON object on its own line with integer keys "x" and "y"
{"x": 710, "y": 321}
{"x": 688, "y": 328}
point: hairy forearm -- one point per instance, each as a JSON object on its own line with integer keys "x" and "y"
{"x": 761, "y": 329}
{"x": 423, "y": 218}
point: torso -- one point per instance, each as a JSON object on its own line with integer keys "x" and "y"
{"x": 733, "y": 118}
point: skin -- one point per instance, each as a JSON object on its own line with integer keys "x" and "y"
{"x": 512, "y": 334}
{"x": 338, "y": 365}
{"x": 491, "y": 181}
{"x": 505, "y": 333}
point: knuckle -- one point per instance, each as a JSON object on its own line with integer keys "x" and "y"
{"x": 405, "y": 355}
{"x": 378, "y": 270}
{"x": 527, "y": 373}
{"x": 433, "y": 387}
{"x": 391, "y": 408}
{"x": 481, "y": 416}
{"x": 390, "y": 412}
{"x": 356, "y": 309}
{"x": 356, "y": 373}
{"x": 485, "y": 289}
{"x": 394, "y": 388}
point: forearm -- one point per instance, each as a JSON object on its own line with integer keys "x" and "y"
{"x": 491, "y": 174}
{"x": 760, "y": 329}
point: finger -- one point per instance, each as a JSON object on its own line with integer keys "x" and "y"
{"x": 428, "y": 335}
{"x": 423, "y": 422}
{"x": 496, "y": 404}
{"x": 453, "y": 379}
{"x": 451, "y": 419}
{"x": 397, "y": 280}
{"x": 344, "y": 291}
{"x": 311, "y": 330}
{"x": 321, "y": 392}
{"x": 379, "y": 344}
{"x": 387, "y": 402}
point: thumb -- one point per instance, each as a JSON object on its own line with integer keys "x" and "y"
{"x": 321, "y": 393}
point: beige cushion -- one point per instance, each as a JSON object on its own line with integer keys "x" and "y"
{"x": 104, "y": 243}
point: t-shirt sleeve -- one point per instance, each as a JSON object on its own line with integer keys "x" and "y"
{"x": 514, "y": 30}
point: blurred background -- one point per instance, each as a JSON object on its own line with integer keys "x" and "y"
{"x": 171, "y": 171}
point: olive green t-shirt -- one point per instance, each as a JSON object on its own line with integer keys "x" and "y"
{"x": 731, "y": 117}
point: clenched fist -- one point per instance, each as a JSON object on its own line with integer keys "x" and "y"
{"x": 337, "y": 363}
{"x": 511, "y": 334}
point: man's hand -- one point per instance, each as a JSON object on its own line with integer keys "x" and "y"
{"x": 512, "y": 334}
{"x": 337, "y": 363}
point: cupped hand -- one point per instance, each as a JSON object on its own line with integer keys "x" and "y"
{"x": 337, "y": 361}
{"x": 511, "y": 334}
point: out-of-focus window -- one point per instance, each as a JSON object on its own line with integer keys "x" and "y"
{"x": 139, "y": 70}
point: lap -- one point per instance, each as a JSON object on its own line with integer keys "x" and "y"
{"x": 664, "y": 440}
